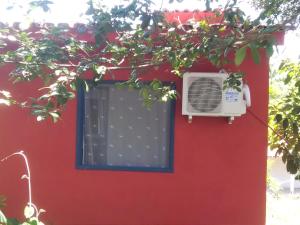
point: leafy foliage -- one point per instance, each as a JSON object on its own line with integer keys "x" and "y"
{"x": 234, "y": 81}
{"x": 144, "y": 41}
{"x": 279, "y": 11}
{"x": 285, "y": 117}
{"x": 240, "y": 55}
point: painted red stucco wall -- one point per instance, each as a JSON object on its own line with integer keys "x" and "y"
{"x": 218, "y": 179}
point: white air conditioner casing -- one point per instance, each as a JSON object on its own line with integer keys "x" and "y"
{"x": 203, "y": 95}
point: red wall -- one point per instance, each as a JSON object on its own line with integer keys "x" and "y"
{"x": 218, "y": 179}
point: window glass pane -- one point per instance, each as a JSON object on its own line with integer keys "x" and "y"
{"x": 119, "y": 131}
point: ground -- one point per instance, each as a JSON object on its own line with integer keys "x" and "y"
{"x": 283, "y": 208}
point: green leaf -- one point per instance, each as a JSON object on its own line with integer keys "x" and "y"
{"x": 287, "y": 107}
{"x": 29, "y": 211}
{"x": 285, "y": 123}
{"x": 33, "y": 221}
{"x": 12, "y": 221}
{"x": 86, "y": 85}
{"x": 73, "y": 86}
{"x": 291, "y": 166}
{"x": 5, "y": 102}
{"x": 40, "y": 118}
{"x": 61, "y": 100}
{"x": 240, "y": 55}
{"x": 278, "y": 118}
{"x": 100, "y": 70}
{"x": 297, "y": 147}
{"x": 50, "y": 105}
{"x": 287, "y": 79}
{"x": 156, "y": 84}
{"x": 55, "y": 116}
{"x": 296, "y": 109}
{"x": 3, "y": 219}
{"x": 255, "y": 54}
{"x": 284, "y": 158}
{"x": 145, "y": 93}
{"x": 295, "y": 128}
{"x": 204, "y": 25}
{"x": 269, "y": 49}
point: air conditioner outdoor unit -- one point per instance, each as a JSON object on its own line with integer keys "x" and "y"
{"x": 203, "y": 95}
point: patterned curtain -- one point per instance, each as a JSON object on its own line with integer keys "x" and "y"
{"x": 120, "y": 131}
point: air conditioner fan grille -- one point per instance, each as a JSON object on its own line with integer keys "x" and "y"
{"x": 205, "y": 94}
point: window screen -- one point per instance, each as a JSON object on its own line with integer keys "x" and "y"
{"x": 118, "y": 132}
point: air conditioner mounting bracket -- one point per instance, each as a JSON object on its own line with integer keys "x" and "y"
{"x": 230, "y": 119}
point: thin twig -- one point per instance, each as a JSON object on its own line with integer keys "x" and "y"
{"x": 161, "y": 5}
{"x": 28, "y": 175}
{"x": 77, "y": 65}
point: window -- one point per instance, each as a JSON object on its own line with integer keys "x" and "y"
{"x": 116, "y": 131}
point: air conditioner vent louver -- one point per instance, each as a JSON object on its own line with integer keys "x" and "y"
{"x": 205, "y": 94}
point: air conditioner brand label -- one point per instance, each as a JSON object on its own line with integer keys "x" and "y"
{"x": 231, "y": 96}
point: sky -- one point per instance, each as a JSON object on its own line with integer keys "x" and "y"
{"x": 64, "y": 12}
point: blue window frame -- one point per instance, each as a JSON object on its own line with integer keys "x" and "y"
{"x": 116, "y": 131}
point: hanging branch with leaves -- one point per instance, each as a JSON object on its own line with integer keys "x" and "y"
{"x": 143, "y": 40}
{"x": 285, "y": 117}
